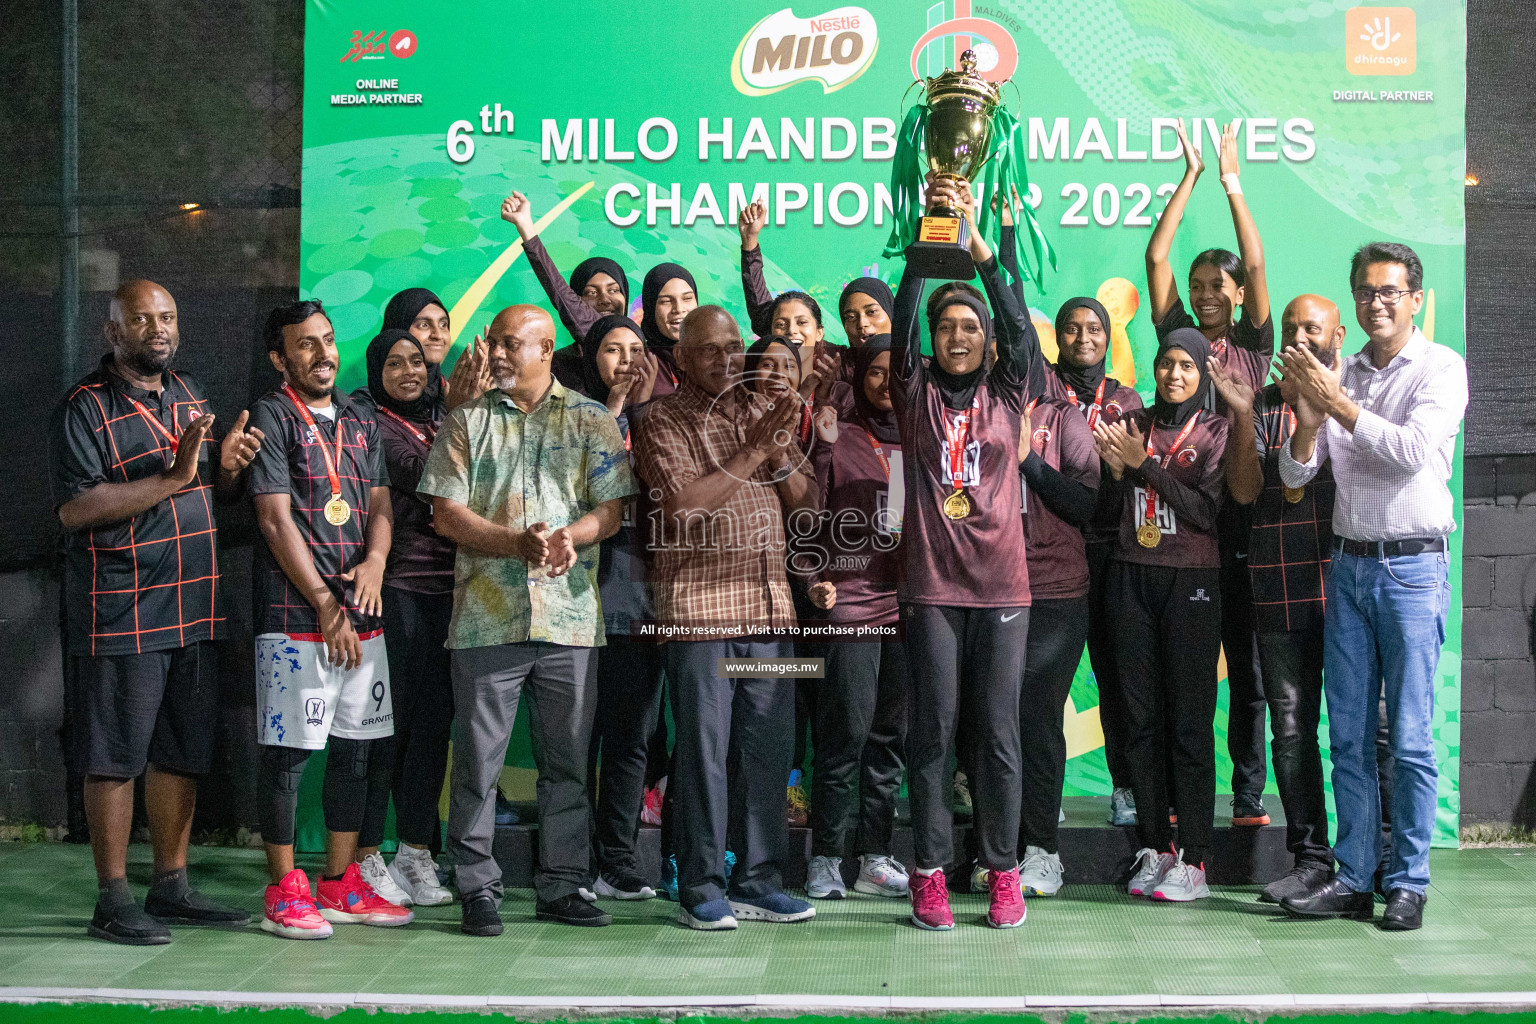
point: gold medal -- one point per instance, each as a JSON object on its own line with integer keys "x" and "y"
{"x": 1293, "y": 494}
{"x": 337, "y": 511}
{"x": 957, "y": 505}
{"x": 1148, "y": 535}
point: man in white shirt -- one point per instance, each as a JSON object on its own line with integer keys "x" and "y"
{"x": 1387, "y": 417}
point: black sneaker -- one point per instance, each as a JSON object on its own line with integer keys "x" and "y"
{"x": 192, "y": 907}
{"x": 622, "y": 885}
{"x": 127, "y": 925}
{"x": 572, "y": 909}
{"x": 1249, "y": 812}
{"x": 479, "y": 916}
{"x": 1300, "y": 879}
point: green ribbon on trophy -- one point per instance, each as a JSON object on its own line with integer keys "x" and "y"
{"x": 961, "y": 129}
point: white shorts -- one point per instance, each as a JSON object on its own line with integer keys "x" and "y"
{"x": 302, "y": 699}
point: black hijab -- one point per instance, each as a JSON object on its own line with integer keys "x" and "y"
{"x": 1169, "y": 414}
{"x": 1083, "y": 380}
{"x": 378, "y": 351}
{"x": 587, "y": 268}
{"x": 881, "y": 422}
{"x": 760, "y": 347}
{"x": 594, "y": 387}
{"x": 650, "y": 291}
{"x": 400, "y": 314}
{"x": 958, "y": 389}
{"x": 875, "y": 289}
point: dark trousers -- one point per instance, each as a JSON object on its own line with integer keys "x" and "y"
{"x": 421, "y": 687}
{"x": 861, "y": 730}
{"x": 1246, "y": 706}
{"x": 1293, "y": 686}
{"x": 729, "y": 762}
{"x": 1057, "y": 630}
{"x": 965, "y": 661}
{"x": 1101, "y": 656}
{"x": 628, "y": 704}
{"x": 1168, "y": 631}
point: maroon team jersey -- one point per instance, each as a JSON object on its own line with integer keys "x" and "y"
{"x": 1058, "y": 566}
{"x": 1245, "y": 350}
{"x": 1118, "y": 402}
{"x": 861, "y": 527}
{"x": 978, "y": 561}
{"x": 1187, "y": 490}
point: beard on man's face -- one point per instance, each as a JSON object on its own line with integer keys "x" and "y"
{"x": 148, "y": 362}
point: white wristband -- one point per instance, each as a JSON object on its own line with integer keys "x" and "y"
{"x": 1231, "y": 184}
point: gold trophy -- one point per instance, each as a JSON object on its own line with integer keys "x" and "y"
{"x": 957, "y": 140}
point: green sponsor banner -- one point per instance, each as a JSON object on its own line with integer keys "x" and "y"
{"x": 638, "y": 133}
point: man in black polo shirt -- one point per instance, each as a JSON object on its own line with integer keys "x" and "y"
{"x": 134, "y": 491}
{"x": 1288, "y": 554}
{"x": 322, "y": 678}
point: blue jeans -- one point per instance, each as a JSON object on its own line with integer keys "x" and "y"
{"x": 1384, "y": 627}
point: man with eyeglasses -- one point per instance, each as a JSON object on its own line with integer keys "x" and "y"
{"x": 723, "y": 471}
{"x": 1387, "y": 418}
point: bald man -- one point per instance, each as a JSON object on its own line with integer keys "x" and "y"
{"x": 527, "y": 479}
{"x": 133, "y": 486}
{"x": 1289, "y": 552}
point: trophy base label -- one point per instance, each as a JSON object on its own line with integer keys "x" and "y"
{"x": 944, "y": 230}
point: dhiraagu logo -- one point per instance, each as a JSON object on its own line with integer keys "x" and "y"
{"x": 832, "y": 48}
{"x": 1380, "y": 41}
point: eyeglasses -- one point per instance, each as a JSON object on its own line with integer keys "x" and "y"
{"x": 1389, "y": 296}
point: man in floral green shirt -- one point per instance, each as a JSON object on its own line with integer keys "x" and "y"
{"x": 527, "y": 480}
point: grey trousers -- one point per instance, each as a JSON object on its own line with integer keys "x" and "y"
{"x": 730, "y": 763}
{"x": 562, "y": 689}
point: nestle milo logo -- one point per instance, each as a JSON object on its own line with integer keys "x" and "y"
{"x": 832, "y": 48}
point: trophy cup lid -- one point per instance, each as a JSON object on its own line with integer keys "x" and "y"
{"x": 965, "y": 83}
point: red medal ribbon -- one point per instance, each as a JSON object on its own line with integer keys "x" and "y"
{"x": 425, "y": 439}
{"x": 1183, "y": 434}
{"x": 954, "y": 440}
{"x": 885, "y": 463}
{"x": 154, "y": 422}
{"x": 309, "y": 421}
{"x": 1095, "y": 408}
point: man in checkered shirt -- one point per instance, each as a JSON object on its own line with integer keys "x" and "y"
{"x": 133, "y": 488}
{"x": 1387, "y": 418}
{"x": 723, "y": 469}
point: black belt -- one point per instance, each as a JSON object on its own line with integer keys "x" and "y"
{"x": 1388, "y": 548}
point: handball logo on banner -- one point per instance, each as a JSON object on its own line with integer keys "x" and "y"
{"x": 1380, "y": 41}
{"x": 832, "y": 48}
{"x": 997, "y": 55}
{"x": 374, "y": 45}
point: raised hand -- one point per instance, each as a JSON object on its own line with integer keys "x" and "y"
{"x": 1228, "y": 160}
{"x": 1233, "y": 390}
{"x": 750, "y": 222}
{"x": 240, "y": 445}
{"x": 817, "y": 385}
{"x": 189, "y": 446}
{"x": 1193, "y": 163}
{"x": 825, "y": 421}
{"x": 518, "y": 211}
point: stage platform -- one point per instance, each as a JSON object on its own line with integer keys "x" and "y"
{"x": 1091, "y": 948}
{"x": 1093, "y": 852}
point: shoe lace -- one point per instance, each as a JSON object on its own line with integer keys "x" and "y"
{"x": 1005, "y": 888}
{"x": 936, "y": 890}
{"x": 1035, "y": 860}
{"x": 797, "y": 800}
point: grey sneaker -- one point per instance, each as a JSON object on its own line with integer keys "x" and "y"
{"x": 1122, "y": 807}
{"x": 882, "y": 876}
{"x": 824, "y": 879}
{"x": 1040, "y": 874}
{"x": 1151, "y": 866}
{"x": 1182, "y": 883}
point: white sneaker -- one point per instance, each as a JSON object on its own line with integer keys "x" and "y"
{"x": 414, "y": 871}
{"x": 586, "y": 893}
{"x": 1182, "y": 883}
{"x": 881, "y": 875}
{"x": 824, "y": 879}
{"x": 377, "y": 875}
{"x": 1040, "y": 874}
{"x": 1151, "y": 866}
{"x": 1122, "y": 807}
{"x": 980, "y": 878}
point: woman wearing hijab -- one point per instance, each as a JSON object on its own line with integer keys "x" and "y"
{"x": 419, "y": 312}
{"x": 1164, "y": 587}
{"x": 667, "y": 295}
{"x": 965, "y": 583}
{"x": 418, "y": 603}
{"x": 861, "y": 712}
{"x": 617, "y": 371}
{"x": 1221, "y": 282}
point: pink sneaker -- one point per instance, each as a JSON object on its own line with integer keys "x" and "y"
{"x": 650, "y": 808}
{"x": 350, "y": 900}
{"x": 1007, "y": 909}
{"x": 291, "y": 912}
{"x": 930, "y": 901}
